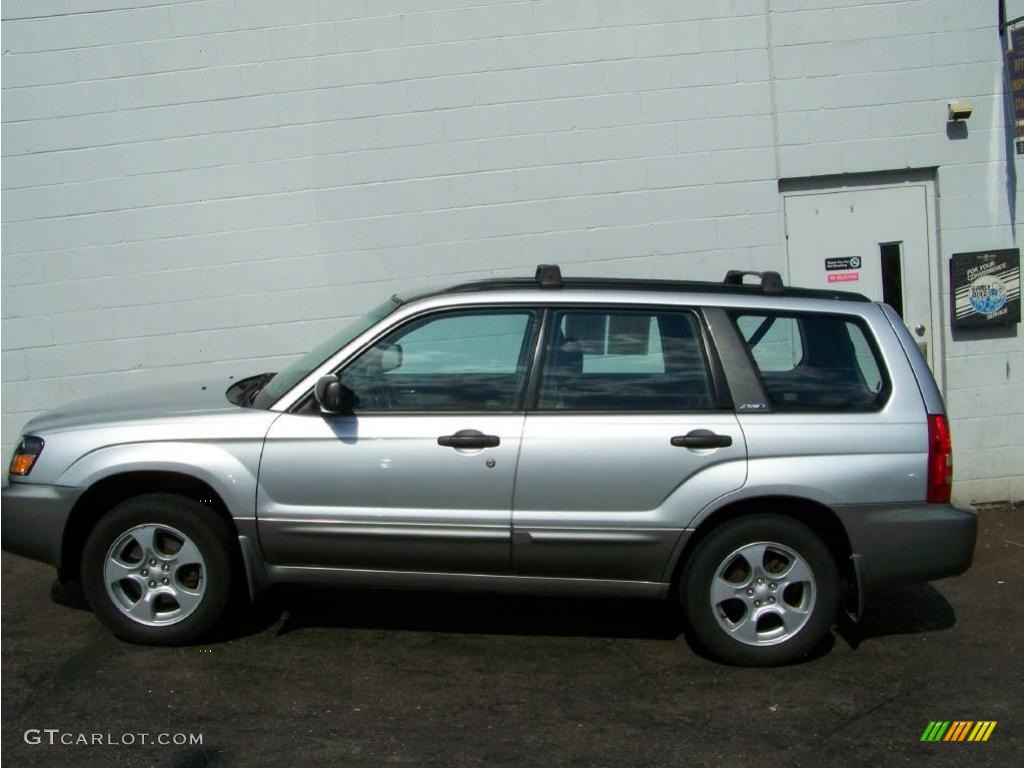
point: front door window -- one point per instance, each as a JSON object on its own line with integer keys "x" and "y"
{"x": 458, "y": 361}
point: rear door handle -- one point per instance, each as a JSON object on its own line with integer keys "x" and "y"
{"x": 702, "y": 438}
{"x": 469, "y": 438}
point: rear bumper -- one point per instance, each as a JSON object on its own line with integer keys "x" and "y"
{"x": 899, "y": 544}
{"x": 33, "y": 518}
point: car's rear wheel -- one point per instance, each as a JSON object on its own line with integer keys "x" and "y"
{"x": 760, "y": 591}
{"x": 157, "y": 569}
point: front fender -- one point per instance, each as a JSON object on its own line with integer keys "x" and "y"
{"x": 230, "y": 469}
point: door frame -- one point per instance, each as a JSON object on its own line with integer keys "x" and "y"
{"x": 855, "y": 182}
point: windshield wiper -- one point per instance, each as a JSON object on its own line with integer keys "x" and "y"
{"x": 258, "y": 383}
{"x": 244, "y": 392}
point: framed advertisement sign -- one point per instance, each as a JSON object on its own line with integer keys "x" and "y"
{"x": 985, "y": 288}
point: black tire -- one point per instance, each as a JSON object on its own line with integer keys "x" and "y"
{"x": 706, "y": 621}
{"x": 208, "y": 532}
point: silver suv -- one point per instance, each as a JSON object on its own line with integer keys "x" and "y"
{"x": 764, "y": 456}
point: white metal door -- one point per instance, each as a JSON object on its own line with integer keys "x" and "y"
{"x": 873, "y": 241}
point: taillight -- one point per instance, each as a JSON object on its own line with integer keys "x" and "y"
{"x": 940, "y": 460}
{"x": 25, "y": 455}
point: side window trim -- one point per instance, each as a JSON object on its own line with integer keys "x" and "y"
{"x": 742, "y": 377}
{"x": 720, "y": 394}
{"x": 531, "y": 393}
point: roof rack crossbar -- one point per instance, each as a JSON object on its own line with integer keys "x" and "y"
{"x": 771, "y": 282}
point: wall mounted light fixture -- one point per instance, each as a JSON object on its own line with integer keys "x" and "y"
{"x": 960, "y": 110}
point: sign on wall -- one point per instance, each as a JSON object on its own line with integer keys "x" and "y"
{"x": 985, "y": 288}
{"x": 849, "y": 266}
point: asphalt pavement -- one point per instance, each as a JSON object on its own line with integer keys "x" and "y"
{"x": 373, "y": 678}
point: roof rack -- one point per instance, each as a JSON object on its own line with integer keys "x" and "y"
{"x": 549, "y": 276}
{"x": 771, "y": 282}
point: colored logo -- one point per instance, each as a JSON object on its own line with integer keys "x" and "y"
{"x": 958, "y": 730}
{"x": 987, "y": 294}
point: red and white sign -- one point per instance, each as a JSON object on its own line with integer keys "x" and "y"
{"x": 843, "y": 277}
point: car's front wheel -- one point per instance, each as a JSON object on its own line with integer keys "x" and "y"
{"x": 157, "y": 569}
{"x": 760, "y": 591}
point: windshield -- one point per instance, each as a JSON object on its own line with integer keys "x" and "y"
{"x": 294, "y": 373}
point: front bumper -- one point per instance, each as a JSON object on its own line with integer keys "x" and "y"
{"x": 899, "y": 544}
{"x": 33, "y": 519}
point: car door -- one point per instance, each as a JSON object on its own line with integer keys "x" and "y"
{"x": 626, "y": 443}
{"x": 420, "y": 476}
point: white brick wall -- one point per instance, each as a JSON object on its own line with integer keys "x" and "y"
{"x": 240, "y": 176}
{"x": 863, "y": 88}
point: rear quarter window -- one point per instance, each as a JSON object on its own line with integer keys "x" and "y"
{"x": 814, "y": 362}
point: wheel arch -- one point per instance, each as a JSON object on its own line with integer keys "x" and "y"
{"x": 819, "y": 517}
{"x": 109, "y": 491}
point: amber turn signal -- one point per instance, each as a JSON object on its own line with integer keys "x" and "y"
{"x": 22, "y": 465}
{"x": 25, "y": 456}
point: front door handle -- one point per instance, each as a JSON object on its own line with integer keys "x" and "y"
{"x": 702, "y": 438}
{"x": 469, "y": 438}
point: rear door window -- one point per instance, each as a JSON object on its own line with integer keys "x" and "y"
{"x": 814, "y": 362}
{"x": 624, "y": 360}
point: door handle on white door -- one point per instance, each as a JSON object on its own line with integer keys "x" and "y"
{"x": 919, "y": 329}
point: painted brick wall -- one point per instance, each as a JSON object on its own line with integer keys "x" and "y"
{"x": 864, "y": 87}
{"x": 205, "y": 187}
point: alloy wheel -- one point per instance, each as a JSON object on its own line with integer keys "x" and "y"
{"x": 155, "y": 575}
{"x": 762, "y": 593}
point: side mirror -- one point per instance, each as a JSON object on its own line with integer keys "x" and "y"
{"x": 390, "y": 357}
{"x": 333, "y": 396}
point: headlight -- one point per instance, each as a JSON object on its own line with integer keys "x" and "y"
{"x": 25, "y": 455}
